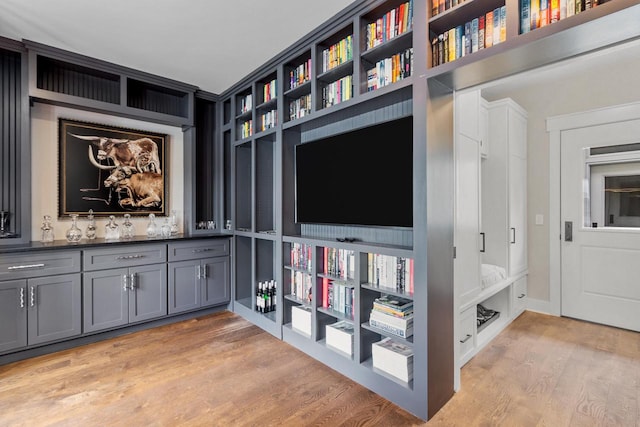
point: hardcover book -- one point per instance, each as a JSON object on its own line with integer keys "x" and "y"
{"x": 525, "y": 16}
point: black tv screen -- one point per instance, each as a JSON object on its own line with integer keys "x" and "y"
{"x": 363, "y": 177}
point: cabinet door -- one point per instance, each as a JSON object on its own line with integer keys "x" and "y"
{"x": 13, "y": 314}
{"x": 184, "y": 286}
{"x": 467, "y": 219}
{"x": 519, "y": 296}
{"x": 215, "y": 281}
{"x": 148, "y": 296}
{"x": 105, "y": 299}
{"x": 54, "y": 308}
{"x": 467, "y": 114}
{"x": 483, "y": 126}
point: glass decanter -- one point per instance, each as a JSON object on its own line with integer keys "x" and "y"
{"x": 74, "y": 234}
{"x": 174, "y": 223}
{"x": 165, "y": 230}
{"x": 128, "y": 230}
{"x": 112, "y": 230}
{"x": 47, "y": 230}
{"x": 91, "y": 226}
{"x": 152, "y": 228}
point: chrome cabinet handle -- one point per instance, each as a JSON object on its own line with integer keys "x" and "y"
{"x": 123, "y": 257}
{"x": 196, "y": 251}
{"x": 21, "y": 297}
{"x": 32, "y": 296}
{"x": 204, "y": 271}
{"x": 125, "y": 282}
{"x": 132, "y": 282}
{"x": 198, "y": 272}
{"x": 521, "y": 296}
{"x": 23, "y": 267}
{"x": 465, "y": 339}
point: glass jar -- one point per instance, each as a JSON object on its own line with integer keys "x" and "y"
{"x": 74, "y": 234}
{"x": 165, "y": 230}
{"x": 47, "y": 230}
{"x": 91, "y": 226}
{"x": 128, "y": 230}
{"x": 152, "y": 228}
{"x": 112, "y": 230}
{"x": 174, "y": 223}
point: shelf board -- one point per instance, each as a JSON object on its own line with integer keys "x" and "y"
{"x": 408, "y": 341}
{"x": 338, "y": 280}
{"x": 334, "y": 313}
{"x": 613, "y": 22}
{"x": 396, "y": 292}
{"x": 299, "y": 91}
{"x": 246, "y": 302}
{"x": 336, "y": 73}
{"x": 297, "y": 300}
{"x": 272, "y": 103}
{"x": 245, "y": 115}
{"x": 390, "y": 47}
{"x": 463, "y": 12}
{"x": 484, "y": 325}
{"x": 369, "y": 364}
{"x": 301, "y": 270}
{"x": 336, "y": 350}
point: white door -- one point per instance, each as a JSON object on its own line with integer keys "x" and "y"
{"x": 466, "y": 271}
{"x": 601, "y": 262}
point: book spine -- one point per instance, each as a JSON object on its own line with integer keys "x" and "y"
{"x": 525, "y": 16}
{"x": 390, "y": 329}
{"x": 488, "y": 42}
{"x": 555, "y": 11}
{"x": 496, "y": 26}
{"x": 544, "y": 13}
{"x": 534, "y": 11}
{"x": 474, "y": 35}
{"x": 481, "y": 26}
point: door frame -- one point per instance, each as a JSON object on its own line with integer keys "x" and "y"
{"x": 555, "y": 126}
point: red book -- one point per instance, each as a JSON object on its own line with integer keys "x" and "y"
{"x": 325, "y": 292}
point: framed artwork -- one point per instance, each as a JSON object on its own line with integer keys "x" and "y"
{"x": 110, "y": 170}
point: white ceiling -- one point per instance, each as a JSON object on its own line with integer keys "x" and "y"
{"x": 211, "y": 44}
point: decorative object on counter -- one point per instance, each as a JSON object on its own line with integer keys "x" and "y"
{"x": 74, "y": 234}
{"x": 112, "y": 230}
{"x": 128, "y": 230}
{"x": 91, "y": 226}
{"x": 165, "y": 230}
{"x": 227, "y": 225}
{"x": 211, "y": 225}
{"x": 174, "y": 223}
{"x": 152, "y": 228}
{"x": 4, "y": 225}
{"x": 47, "y": 230}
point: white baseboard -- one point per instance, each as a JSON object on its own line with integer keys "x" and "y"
{"x": 541, "y": 306}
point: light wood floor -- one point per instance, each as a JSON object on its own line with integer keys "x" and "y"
{"x": 219, "y": 370}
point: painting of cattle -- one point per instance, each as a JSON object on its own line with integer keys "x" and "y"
{"x": 111, "y": 170}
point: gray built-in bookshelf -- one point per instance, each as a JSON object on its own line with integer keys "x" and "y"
{"x": 240, "y": 161}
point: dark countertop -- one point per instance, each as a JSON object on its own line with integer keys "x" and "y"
{"x": 96, "y": 243}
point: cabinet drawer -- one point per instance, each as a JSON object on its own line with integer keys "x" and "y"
{"x": 467, "y": 332}
{"x": 519, "y": 295}
{"x": 198, "y": 249}
{"x": 22, "y": 266}
{"x": 124, "y": 256}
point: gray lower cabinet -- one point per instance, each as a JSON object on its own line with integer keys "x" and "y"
{"x": 198, "y": 283}
{"x": 39, "y": 310}
{"x": 117, "y": 297}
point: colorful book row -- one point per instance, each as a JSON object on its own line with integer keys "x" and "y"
{"x": 337, "y": 92}
{"x": 337, "y": 54}
{"x": 339, "y": 263}
{"x": 268, "y": 120}
{"x": 540, "y": 13}
{"x": 300, "y": 107}
{"x": 393, "y": 23}
{"x": 439, "y": 6}
{"x": 390, "y": 70}
{"x": 300, "y": 75}
{"x": 301, "y": 285}
{"x": 301, "y": 256}
{"x": 246, "y": 103}
{"x": 338, "y": 297}
{"x": 479, "y": 33}
{"x": 246, "y": 129}
{"x": 390, "y": 272}
{"x": 269, "y": 91}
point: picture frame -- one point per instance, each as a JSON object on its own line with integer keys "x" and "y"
{"x": 111, "y": 170}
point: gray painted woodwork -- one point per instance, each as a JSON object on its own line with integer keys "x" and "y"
{"x": 13, "y": 314}
{"x": 27, "y": 265}
{"x": 105, "y": 301}
{"x": 215, "y": 287}
{"x": 125, "y": 256}
{"x": 56, "y": 312}
{"x": 184, "y": 286}
{"x": 148, "y": 298}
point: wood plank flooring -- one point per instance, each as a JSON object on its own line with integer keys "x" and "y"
{"x": 219, "y": 370}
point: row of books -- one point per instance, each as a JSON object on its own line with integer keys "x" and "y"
{"x": 392, "y": 272}
{"x": 246, "y": 103}
{"x": 300, "y": 75}
{"x": 246, "y": 129}
{"x": 393, "y": 23}
{"x": 439, "y": 6}
{"x": 268, "y": 120}
{"x": 539, "y": 13}
{"x": 337, "y": 54}
{"x": 337, "y": 92}
{"x": 301, "y": 285}
{"x": 393, "y": 315}
{"x": 390, "y": 70}
{"x": 301, "y": 256}
{"x": 338, "y": 296}
{"x": 393, "y": 358}
{"x": 300, "y": 107}
{"x": 480, "y": 33}
{"x": 269, "y": 90}
{"x": 340, "y": 263}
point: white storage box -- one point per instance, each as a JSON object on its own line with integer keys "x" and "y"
{"x": 301, "y": 319}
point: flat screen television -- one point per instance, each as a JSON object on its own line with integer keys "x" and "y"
{"x": 362, "y": 177}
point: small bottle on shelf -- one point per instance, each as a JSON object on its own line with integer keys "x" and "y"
{"x": 91, "y": 226}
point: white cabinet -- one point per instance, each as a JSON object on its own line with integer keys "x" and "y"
{"x": 483, "y": 127}
{"x": 519, "y": 296}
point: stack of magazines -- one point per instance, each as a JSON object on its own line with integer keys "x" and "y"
{"x": 393, "y": 315}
